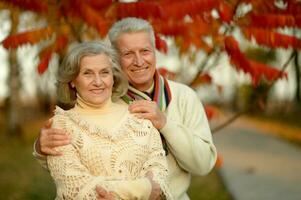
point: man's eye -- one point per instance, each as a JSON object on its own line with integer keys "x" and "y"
{"x": 145, "y": 51}
{"x": 127, "y": 54}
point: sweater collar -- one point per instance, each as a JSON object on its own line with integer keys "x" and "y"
{"x": 83, "y": 106}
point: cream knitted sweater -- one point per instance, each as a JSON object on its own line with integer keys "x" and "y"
{"x": 116, "y": 158}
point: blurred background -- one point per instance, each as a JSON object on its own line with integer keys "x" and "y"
{"x": 242, "y": 57}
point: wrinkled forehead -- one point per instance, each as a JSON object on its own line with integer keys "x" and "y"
{"x": 132, "y": 39}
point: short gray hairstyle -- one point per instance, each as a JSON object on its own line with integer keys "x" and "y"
{"x": 130, "y": 25}
{"x": 70, "y": 68}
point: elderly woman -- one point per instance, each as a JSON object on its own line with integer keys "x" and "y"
{"x": 110, "y": 147}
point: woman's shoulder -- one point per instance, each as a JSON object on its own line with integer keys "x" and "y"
{"x": 138, "y": 123}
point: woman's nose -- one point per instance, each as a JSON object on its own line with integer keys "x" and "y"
{"x": 97, "y": 80}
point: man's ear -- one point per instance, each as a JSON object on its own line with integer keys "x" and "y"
{"x": 72, "y": 84}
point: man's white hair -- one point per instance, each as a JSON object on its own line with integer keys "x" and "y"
{"x": 130, "y": 25}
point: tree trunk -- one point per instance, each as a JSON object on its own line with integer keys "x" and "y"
{"x": 298, "y": 78}
{"x": 13, "y": 102}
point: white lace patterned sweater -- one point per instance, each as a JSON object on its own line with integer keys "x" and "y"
{"x": 111, "y": 148}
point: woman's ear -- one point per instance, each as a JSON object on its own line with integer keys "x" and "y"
{"x": 72, "y": 85}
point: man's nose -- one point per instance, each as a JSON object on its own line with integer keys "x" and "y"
{"x": 138, "y": 60}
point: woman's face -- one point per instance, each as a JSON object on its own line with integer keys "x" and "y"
{"x": 94, "y": 82}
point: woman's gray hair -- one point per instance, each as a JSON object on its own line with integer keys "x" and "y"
{"x": 70, "y": 68}
{"x": 130, "y": 25}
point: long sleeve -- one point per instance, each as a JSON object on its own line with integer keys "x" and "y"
{"x": 74, "y": 181}
{"x": 157, "y": 163}
{"x": 189, "y": 138}
{"x": 42, "y": 159}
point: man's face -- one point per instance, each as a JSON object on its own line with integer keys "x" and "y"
{"x": 137, "y": 58}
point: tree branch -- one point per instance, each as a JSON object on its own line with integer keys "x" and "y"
{"x": 234, "y": 117}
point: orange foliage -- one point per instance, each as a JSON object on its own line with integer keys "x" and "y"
{"x": 96, "y": 4}
{"x": 45, "y": 55}
{"x": 43, "y": 65}
{"x": 39, "y": 6}
{"x": 225, "y": 11}
{"x": 255, "y": 69}
{"x": 201, "y": 79}
{"x": 161, "y": 44}
{"x": 271, "y": 39}
{"x": 31, "y": 37}
{"x": 275, "y": 20}
{"x": 138, "y": 9}
{"x": 93, "y": 18}
{"x": 219, "y": 161}
{"x": 211, "y": 111}
{"x": 167, "y": 74}
{"x": 179, "y": 9}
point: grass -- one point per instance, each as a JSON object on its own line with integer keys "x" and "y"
{"x": 23, "y": 178}
{"x": 208, "y": 187}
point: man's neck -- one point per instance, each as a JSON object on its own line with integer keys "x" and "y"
{"x": 147, "y": 89}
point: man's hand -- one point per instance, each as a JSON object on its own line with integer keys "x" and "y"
{"x": 156, "y": 190}
{"x": 103, "y": 194}
{"x": 148, "y": 110}
{"x": 49, "y": 138}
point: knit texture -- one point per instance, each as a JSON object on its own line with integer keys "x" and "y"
{"x": 115, "y": 159}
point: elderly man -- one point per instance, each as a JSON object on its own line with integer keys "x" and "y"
{"x": 173, "y": 108}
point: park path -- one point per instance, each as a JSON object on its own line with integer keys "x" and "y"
{"x": 257, "y": 165}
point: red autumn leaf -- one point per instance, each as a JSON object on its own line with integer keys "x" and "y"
{"x": 211, "y": 111}
{"x": 45, "y": 55}
{"x": 274, "y": 20}
{"x": 29, "y": 37}
{"x": 225, "y": 12}
{"x": 201, "y": 79}
{"x": 179, "y": 9}
{"x": 265, "y": 71}
{"x": 271, "y": 39}
{"x": 161, "y": 44}
{"x": 236, "y": 57}
{"x": 219, "y": 161}
{"x": 96, "y": 4}
{"x": 60, "y": 43}
{"x": 166, "y": 73}
{"x": 93, "y": 18}
{"x": 141, "y": 9}
{"x": 261, "y": 6}
{"x": 39, "y": 6}
{"x": 43, "y": 65}
{"x": 255, "y": 69}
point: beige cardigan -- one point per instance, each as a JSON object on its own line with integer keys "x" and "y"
{"x": 116, "y": 159}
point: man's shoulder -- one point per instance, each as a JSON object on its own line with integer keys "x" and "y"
{"x": 179, "y": 88}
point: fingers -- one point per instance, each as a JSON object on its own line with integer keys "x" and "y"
{"x": 48, "y": 123}
{"x": 142, "y": 106}
{"x": 104, "y": 194}
{"x": 148, "y": 116}
{"x": 50, "y": 138}
{"x": 101, "y": 191}
{"x": 53, "y": 152}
